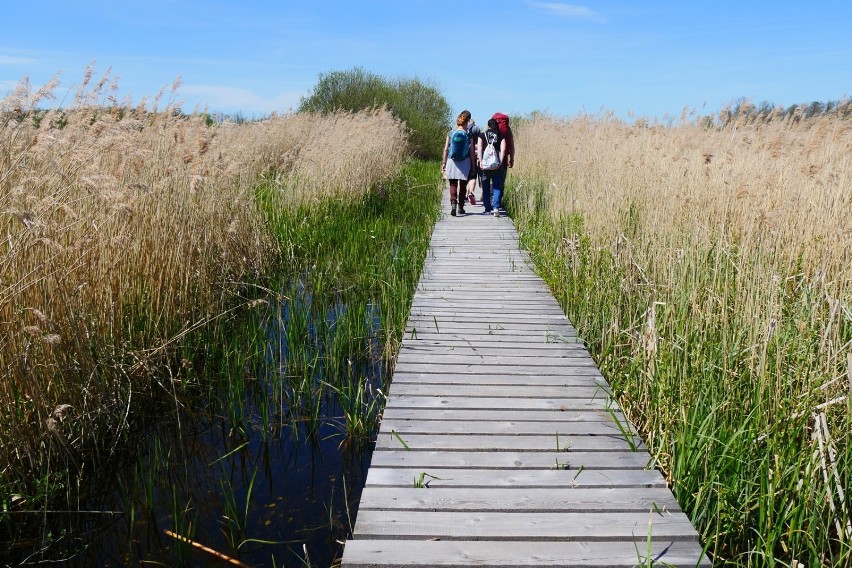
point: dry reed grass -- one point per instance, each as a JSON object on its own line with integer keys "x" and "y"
{"x": 776, "y": 193}
{"x": 125, "y": 229}
{"x": 736, "y": 241}
{"x": 779, "y": 184}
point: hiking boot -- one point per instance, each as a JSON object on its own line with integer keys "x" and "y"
{"x": 461, "y": 210}
{"x": 453, "y": 211}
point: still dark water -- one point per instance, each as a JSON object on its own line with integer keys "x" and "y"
{"x": 227, "y": 479}
{"x": 281, "y": 501}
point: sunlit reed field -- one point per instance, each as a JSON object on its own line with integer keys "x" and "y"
{"x": 709, "y": 268}
{"x": 129, "y": 234}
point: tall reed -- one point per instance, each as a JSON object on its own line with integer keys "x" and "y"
{"x": 709, "y": 270}
{"x": 129, "y": 232}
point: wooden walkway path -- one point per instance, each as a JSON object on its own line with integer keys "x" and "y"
{"x": 499, "y": 444}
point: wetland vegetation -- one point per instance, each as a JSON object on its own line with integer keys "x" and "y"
{"x": 199, "y": 317}
{"x": 198, "y": 322}
{"x": 708, "y": 266}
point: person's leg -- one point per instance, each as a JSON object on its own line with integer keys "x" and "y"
{"x": 454, "y": 184}
{"x": 497, "y": 192}
{"x": 462, "y": 195}
{"x": 471, "y": 186}
{"x": 486, "y": 191}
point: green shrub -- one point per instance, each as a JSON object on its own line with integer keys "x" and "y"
{"x": 420, "y": 105}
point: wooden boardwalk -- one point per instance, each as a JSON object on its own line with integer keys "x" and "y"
{"x": 499, "y": 444}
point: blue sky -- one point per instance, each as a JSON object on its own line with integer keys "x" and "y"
{"x": 633, "y": 58}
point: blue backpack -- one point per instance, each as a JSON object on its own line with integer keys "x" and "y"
{"x": 459, "y": 145}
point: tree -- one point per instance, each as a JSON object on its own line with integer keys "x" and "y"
{"x": 420, "y": 105}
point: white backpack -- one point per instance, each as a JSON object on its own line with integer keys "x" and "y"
{"x": 490, "y": 156}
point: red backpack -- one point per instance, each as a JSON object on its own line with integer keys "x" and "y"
{"x": 506, "y": 131}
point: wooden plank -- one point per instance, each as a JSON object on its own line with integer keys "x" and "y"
{"x": 448, "y": 357}
{"x": 599, "y": 427}
{"x": 575, "y": 379}
{"x": 446, "y": 554}
{"x": 527, "y": 364}
{"x": 405, "y": 477}
{"x": 488, "y": 326}
{"x": 519, "y": 554}
{"x": 507, "y": 500}
{"x": 507, "y": 415}
{"x": 519, "y": 525}
{"x": 573, "y": 461}
{"x": 481, "y": 346}
{"x": 479, "y": 334}
{"x": 589, "y": 390}
{"x": 500, "y": 289}
{"x": 525, "y": 294}
{"x": 508, "y": 307}
{"x": 510, "y": 340}
{"x": 485, "y": 347}
{"x": 457, "y": 269}
{"x": 561, "y": 404}
{"x": 549, "y": 329}
{"x": 560, "y": 444}
{"x": 501, "y": 317}
{"x": 488, "y": 369}
{"x": 507, "y": 279}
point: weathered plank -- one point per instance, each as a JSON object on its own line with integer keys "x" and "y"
{"x": 484, "y": 346}
{"x": 524, "y": 478}
{"x": 520, "y": 554}
{"x": 486, "y": 368}
{"x": 507, "y": 500}
{"x": 573, "y": 461}
{"x": 599, "y": 427}
{"x": 588, "y": 390}
{"x": 493, "y": 338}
{"x": 576, "y": 379}
{"x": 562, "y": 404}
{"x": 522, "y": 525}
{"x": 557, "y": 443}
{"x": 496, "y": 317}
{"x": 506, "y": 308}
{"x": 448, "y": 358}
{"x": 460, "y": 415}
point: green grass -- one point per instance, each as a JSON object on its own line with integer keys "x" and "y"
{"x": 349, "y": 273}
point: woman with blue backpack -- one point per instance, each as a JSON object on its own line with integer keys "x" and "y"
{"x": 457, "y": 163}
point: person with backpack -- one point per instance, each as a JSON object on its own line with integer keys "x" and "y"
{"x": 507, "y": 157}
{"x": 475, "y": 133}
{"x": 506, "y": 131}
{"x": 491, "y": 151}
{"x": 457, "y": 163}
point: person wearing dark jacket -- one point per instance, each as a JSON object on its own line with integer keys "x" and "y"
{"x": 493, "y": 180}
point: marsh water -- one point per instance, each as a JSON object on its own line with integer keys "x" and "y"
{"x": 258, "y": 470}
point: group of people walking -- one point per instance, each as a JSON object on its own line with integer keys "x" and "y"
{"x": 471, "y": 155}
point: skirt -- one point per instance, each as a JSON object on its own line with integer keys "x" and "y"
{"x": 457, "y": 169}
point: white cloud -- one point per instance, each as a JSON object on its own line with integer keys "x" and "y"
{"x": 230, "y": 99}
{"x": 568, "y": 10}
{"x": 11, "y": 60}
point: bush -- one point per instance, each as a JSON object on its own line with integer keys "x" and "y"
{"x": 420, "y": 105}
